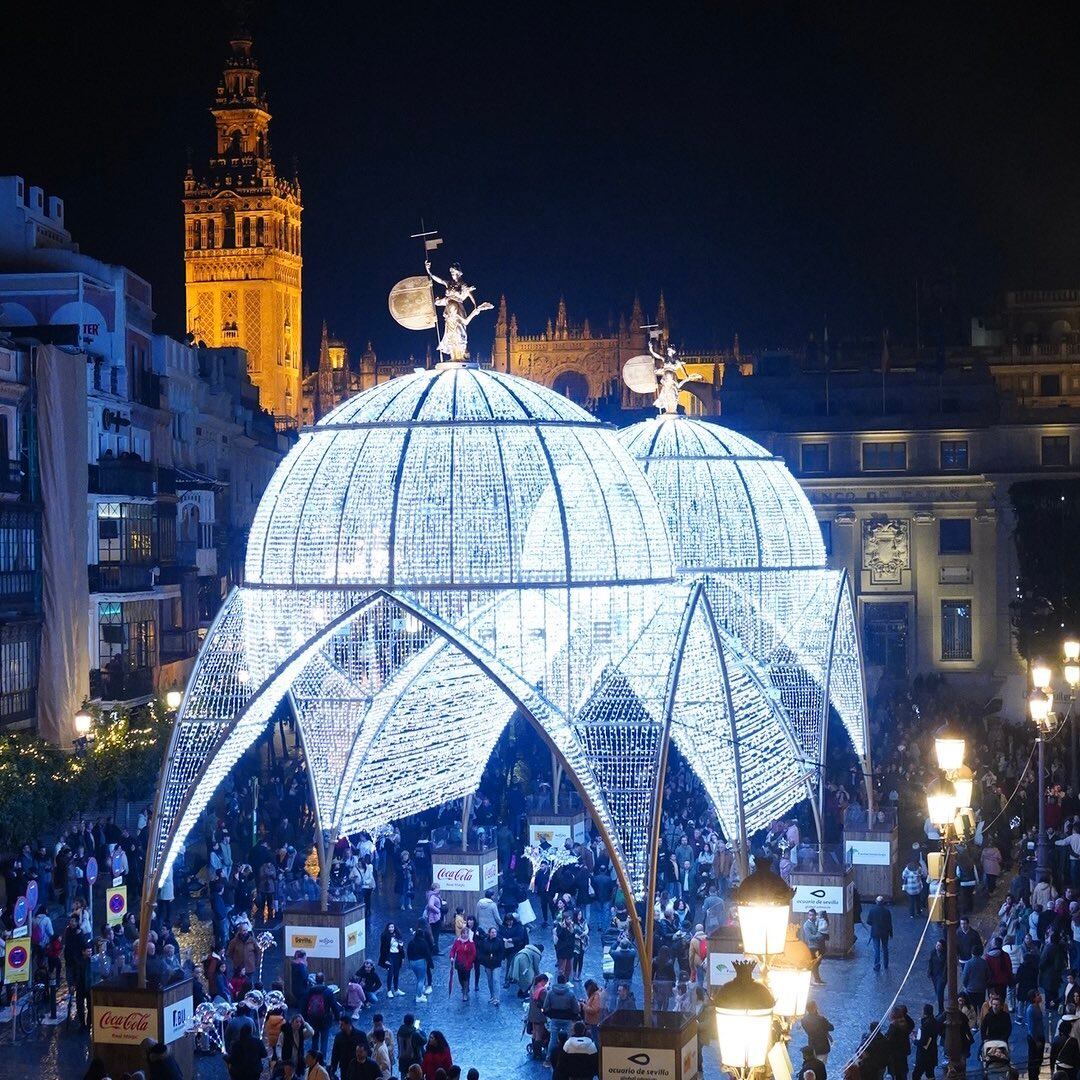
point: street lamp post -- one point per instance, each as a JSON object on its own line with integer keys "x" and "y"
{"x": 1071, "y": 649}
{"x": 943, "y": 803}
{"x": 744, "y": 1022}
{"x": 1040, "y": 704}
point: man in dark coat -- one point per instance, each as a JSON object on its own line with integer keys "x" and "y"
{"x": 879, "y": 919}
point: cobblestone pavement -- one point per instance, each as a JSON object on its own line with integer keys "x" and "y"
{"x": 490, "y": 1038}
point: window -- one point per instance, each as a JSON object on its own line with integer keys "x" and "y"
{"x": 1049, "y": 386}
{"x": 885, "y": 635}
{"x": 18, "y": 672}
{"x": 125, "y": 532}
{"x": 815, "y": 457}
{"x": 955, "y": 629}
{"x": 884, "y": 456}
{"x": 127, "y": 635}
{"x": 954, "y": 455}
{"x": 954, "y": 536}
{"x": 826, "y": 535}
{"x": 1055, "y": 451}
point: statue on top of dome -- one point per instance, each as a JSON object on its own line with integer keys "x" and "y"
{"x": 454, "y": 343}
{"x": 669, "y": 381}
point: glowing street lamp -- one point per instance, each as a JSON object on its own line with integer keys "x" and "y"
{"x": 1039, "y": 705}
{"x": 1071, "y": 649}
{"x": 83, "y": 723}
{"x": 173, "y": 699}
{"x": 963, "y": 781}
{"x": 791, "y": 988}
{"x": 744, "y": 1022}
{"x": 1040, "y": 675}
{"x": 763, "y": 902}
{"x": 950, "y": 747}
{"x": 941, "y": 805}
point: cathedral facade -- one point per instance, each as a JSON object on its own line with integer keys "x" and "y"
{"x": 586, "y": 366}
{"x": 242, "y": 253}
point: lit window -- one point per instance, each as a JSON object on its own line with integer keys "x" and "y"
{"x": 954, "y": 536}
{"x": 954, "y": 455}
{"x": 884, "y": 456}
{"x": 955, "y": 629}
{"x": 815, "y": 457}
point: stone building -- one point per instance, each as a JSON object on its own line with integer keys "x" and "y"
{"x": 134, "y": 463}
{"x": 242, "y": 255}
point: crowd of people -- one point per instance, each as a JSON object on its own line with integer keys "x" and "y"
{"x": 529, "y": 940}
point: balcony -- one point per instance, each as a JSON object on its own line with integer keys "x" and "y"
{"x": 121, "y": 685}
{"x": 120, "y": 577}
{"x": 124, "y": 476}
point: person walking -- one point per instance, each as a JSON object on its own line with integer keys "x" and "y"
{"x": 418, "y": 953}
{"x": 912, "y": 882}
{"x": 391, "y": 957}
{"x": 462, "y": 957}
{"x": 410, "y": 1044}
{"x": 320, "y": 1009}
{"x": 926, "y": 1045}
{"x": 879, "y": 919}
{"x": 937, "y": 971}
{"x": 975, "y": 978}
{"x": 489, "y": 956}
{"x": 1035, "y": 1024}
{"x": 818, "y": 1031}
{"x": 812, "y": 939}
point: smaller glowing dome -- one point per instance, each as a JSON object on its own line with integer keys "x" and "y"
{"x": 729, "y": 503}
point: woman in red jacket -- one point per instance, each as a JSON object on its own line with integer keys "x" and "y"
{"x": 436, "y": 1054}
{"x": 463, "y": 957}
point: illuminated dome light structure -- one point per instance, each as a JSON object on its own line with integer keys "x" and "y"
{"x": 740, "y": 522}
{"x": 435, "y": 554}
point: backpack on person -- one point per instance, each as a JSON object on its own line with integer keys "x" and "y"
{"x": 315, "y": 1010}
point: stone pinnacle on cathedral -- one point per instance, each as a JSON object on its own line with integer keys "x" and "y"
{"x": 636, "y": 318}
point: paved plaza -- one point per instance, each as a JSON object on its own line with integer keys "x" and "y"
{"x": 490, "y": 1038}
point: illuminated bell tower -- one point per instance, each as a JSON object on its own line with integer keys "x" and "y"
{"x": 242, "y": 241}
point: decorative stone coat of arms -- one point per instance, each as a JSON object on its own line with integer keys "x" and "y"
{"x": 886, "y": 550}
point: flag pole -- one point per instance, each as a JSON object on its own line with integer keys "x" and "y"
{"x": 429, "y": 241}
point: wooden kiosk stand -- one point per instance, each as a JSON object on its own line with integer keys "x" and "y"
{"x": 667, "y": 1048}
{"x": 335, "y": 940}
{"x": 873, "y": 853}
{"x": 463, "y": 876}
{"x": 122, "y": 1016}
{"x": 831, "y": 890}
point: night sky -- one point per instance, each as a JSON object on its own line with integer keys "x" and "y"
{"x": 764, "y": 169}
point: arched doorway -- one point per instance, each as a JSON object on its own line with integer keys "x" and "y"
{"x": 572, "y": 384}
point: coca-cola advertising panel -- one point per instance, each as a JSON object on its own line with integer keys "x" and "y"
{"x": 491, "y": 874}
{"x": 457, "y": 877}
{"x": 120, "y": 1024}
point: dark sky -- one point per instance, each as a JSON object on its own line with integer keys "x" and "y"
{"x": 764, "y": 168}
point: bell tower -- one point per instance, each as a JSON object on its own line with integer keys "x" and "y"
{"x": 242, "y": 256}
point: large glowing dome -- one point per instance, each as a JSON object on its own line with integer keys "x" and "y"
{"x": 740, "y": 522}
{"x": 458, "y": 478}
{"x": 444, "y": 550}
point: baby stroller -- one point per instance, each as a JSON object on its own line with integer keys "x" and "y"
{"x": 996, "y": 1064}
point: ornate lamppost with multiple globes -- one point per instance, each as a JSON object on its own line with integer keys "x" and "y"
{"x": 763, "y": 904}
{"x": 948, "y": 805}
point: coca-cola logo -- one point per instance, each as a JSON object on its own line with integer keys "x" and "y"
{"x": 137, "y": 1022}
{"x": 461, "y": 877}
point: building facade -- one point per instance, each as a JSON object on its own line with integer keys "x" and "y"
{"x": 910, "y": 473}
{"x": 148, "y": 498}
{"x": 242, "y": 252}
{"x": 338, "y": 378}
{"x": 586, "y": 365}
